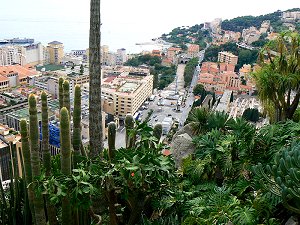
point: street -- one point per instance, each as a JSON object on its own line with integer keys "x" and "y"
{"x": 168, "y": 104}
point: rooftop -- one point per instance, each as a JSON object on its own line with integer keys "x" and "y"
{"x": 55, "y": 43}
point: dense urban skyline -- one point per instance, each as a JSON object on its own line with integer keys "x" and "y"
{"x": 124, "y": 22}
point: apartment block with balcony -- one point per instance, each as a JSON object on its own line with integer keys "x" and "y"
{"x": 227, "y": 57}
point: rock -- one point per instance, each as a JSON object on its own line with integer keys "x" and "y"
{"x": 292, "y": 221}
{"x": 181, "y": 146}
{"x": 186, "y": 129}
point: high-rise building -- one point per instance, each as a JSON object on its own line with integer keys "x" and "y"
{"x": 56, "y": 52}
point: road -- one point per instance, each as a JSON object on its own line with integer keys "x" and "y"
{"x": 169, "y": 107}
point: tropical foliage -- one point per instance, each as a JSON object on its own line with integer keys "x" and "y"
{"x": 278, "y": 79}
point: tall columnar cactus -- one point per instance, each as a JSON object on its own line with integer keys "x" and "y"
{"x": 77, "y": 124}
{"x": 157, "y": 131}
{"x": 27, "y": 163}
{"x": 66, "y": 87}
{"x": 112, "y": 129}
{"x": 65, "y": 149}
{"x": 61, "y": 92}
{"x": 45, "y": 135}
{"x": 46, "y": 154}
{"x": 285, "y": 176}
{"x": 129, "y": 125}
{"x": 35, "y": 158}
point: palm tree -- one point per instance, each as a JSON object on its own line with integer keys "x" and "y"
{"x": 279, "y": 80}
{"x": 95, "y": 117}
{"x": 198, "y": 120}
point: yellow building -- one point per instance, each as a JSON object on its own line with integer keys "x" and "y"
{"x": 56, "y": 52}
{"x": 125, "y": 94}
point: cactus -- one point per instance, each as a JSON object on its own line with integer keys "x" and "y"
{"x": 111, "y": 139}
{"x": 157, "y": 132}
{"x": 61, "y": 92}
{"x": 45, "y": 135}
{"x": 65, "y": 149}
{"x": 27, "y": 163}
{"x": 66, "y": 101}
{"x": 77, "y": 124}
{"x": 283, "y": 176}
{"x": 47, "y": 155}
{"x": 35, "y": 158}
{"x": 129, "y": 125}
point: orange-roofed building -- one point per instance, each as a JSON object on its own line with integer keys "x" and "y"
{"x": 172, "y": 52}
{"x": 4, "y": 83}
{"x": 156, "y": 53}
{"x": 17, "y": 74}
{"x": 166, "y": 62}
{"x": 193, "y": 51}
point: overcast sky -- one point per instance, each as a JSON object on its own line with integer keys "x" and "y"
{"x": 121, "y": 17}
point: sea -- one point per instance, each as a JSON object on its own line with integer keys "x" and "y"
{"x": 75, "y": 34}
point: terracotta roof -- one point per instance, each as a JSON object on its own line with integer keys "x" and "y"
{"x": 3, "y": 78}
{"x": 194, "y": 48}
{"x": 109, "y": 79}
{"x": 23, "y": 72}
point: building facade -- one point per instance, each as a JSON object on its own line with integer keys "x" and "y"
{"x": 125, "y": 94}
{"x": 227, "y": 57}
{"x": 56, "y": 52}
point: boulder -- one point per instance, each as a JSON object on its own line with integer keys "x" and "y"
{"x": 181, "y": 146}
{"x": 186, "y": 129}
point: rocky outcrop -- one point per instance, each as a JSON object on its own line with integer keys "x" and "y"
{"x": 187, "y": 129}
{"x": 181, "y": 146}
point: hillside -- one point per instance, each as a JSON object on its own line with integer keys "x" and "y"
{"x": 196, "y": 34}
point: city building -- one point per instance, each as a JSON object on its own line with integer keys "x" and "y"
{"x": 250, "y": 35}
{"x": 121, "y": 56}
{"x": 10, "y": 147}
{"x": 227, "y": 57}
{"x": 56, "y": 52}
{"x": 24, "y": 52}
{"x": 124, "y": 94}
{"x": 265, "y": 25}
{"x": 215, "y": 25}
{"x": 14, "y": 75}
{"x": 193, "y": 51}
{"x": 224, "y": 103}
{"x": 220, "y": 77}
{"x": 291, "y": 16}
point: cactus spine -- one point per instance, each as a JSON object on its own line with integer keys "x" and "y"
{"x": 66, "y": 87}
{"x": 35, "y": 157}
{"x": 77, "y": 124}
{"x": 65, "y": 149}
{"x": 157, "y": 132}
{"x": 129, "y": 125}
{"x": 61, "y": 92}
{"x": 27, "y": 163}
{"x": 111, "y": 139}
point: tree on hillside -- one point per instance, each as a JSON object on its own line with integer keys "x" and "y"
{"x": 198, "y": 89}
{"x": 278, "y": 82}
{"x": 95, "y": 116}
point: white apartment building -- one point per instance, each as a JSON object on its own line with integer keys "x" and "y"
{"x": 27, "y": 54}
